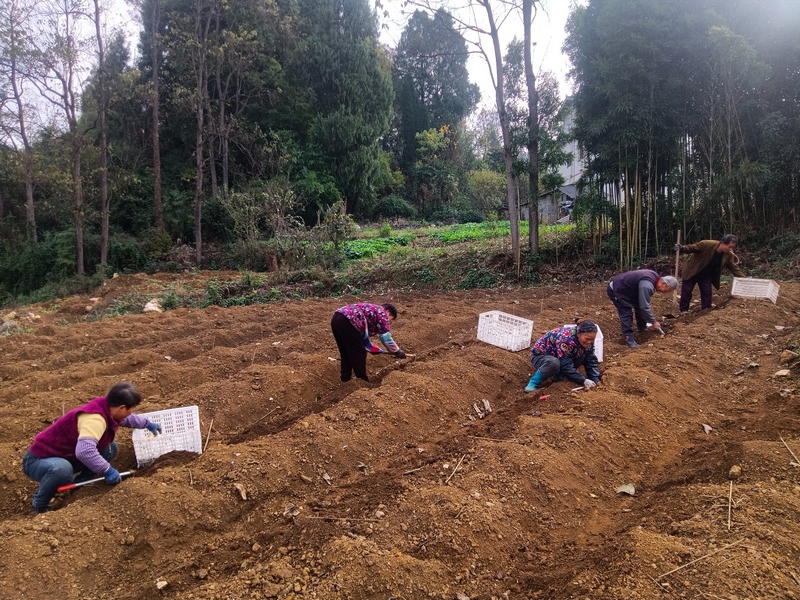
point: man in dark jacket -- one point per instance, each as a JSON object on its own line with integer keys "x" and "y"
{"x": 704, "y": 266}
{"x": 631, "y": 292}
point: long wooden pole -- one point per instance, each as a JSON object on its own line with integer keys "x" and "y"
{"x": 677, "y": 264}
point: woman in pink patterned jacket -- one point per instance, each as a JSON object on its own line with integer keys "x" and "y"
{"x": 352, "y": 326}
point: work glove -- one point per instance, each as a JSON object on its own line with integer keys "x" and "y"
{"x": 677, "y": 247}
{"x": 112, "y": 476}
{"x": 589, "y": 384}
{"x": 400, "y": 354}
{"x": 153, "y": 428}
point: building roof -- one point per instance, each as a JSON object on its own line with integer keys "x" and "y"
{"x": 570, "y": 191}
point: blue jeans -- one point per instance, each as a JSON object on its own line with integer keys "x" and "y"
{"x": 52, "y": 473}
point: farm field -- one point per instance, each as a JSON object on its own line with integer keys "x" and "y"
{"x": 396, "y": 489}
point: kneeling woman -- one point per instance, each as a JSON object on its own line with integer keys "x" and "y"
{"x": 559, "y": 353}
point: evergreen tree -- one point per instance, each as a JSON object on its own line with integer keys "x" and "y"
{"x": 431, "y": 81}
{"x": 340, "y": 62}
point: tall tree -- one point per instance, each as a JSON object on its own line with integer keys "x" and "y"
{"x": 431, "y": 80}
{"x": 155, "y": 105}
{"x": 628, "y": 103}
{"x": 102, "y": 106}
{"x": 338, "y": 58}
{"x": 528, "y": 13}
{"x": 61, "y": 55}
{"x": 15, "y": 22}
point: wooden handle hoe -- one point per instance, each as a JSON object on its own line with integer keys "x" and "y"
{"x": 677, "y": 264}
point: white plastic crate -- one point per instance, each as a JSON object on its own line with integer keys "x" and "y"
{"x": 598, "y": 342}
{"x": 747, "y": 287}
{"x": 504, "y": 330}
{"x": 180, "y": 430}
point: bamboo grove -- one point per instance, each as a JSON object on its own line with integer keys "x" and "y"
{"x": 689, "y": 113}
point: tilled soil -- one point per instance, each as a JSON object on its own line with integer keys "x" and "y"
{"x": 397, "y": 489}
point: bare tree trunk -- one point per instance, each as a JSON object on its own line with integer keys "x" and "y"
{"x": 203, "y": 17}
{"x": 533, "y": 131}
{"x": 511, "y": 196}
{"x": 16, "y": 24}
{"x": 101, "y": 116}
{"x": 154, "y": 91}
{"x": 77, "y": 197}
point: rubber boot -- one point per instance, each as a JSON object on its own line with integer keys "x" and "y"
{"x": 534, "y": 383}
{"x": 631, "y": 341}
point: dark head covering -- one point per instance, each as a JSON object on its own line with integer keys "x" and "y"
{"x": 585, "y": 326}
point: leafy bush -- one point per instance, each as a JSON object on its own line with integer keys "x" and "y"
{"x": 787, "y": 244}
{"x": 30, "y": 266}
{"x": 477, "y": 278}
{"x": 126, "y": 254}
{"x": 469, "y": 216}
{"x": 155, "y": 243}
{"x": 425, "y": 276}
{"x": 487, "y": 190}
{"x": 364, "y": 248}
{"x": 71, "y": 286}
{"x": 392, "y": 206}
{"x": 171, "y": 301}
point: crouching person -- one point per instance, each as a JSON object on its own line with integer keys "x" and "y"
{"x": 559, "y": 353}
{"x": 81, "y": 443}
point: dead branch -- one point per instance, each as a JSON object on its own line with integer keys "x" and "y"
{"x": 789, "y": 449}
{"x": 691, "y": 562}
{"x": 454, "y": 470}
{"x": 208, "y": 436}
{"x": 730, "y": 496}
{"x": 341, "y": 518}
{"x": 258, "y": 421}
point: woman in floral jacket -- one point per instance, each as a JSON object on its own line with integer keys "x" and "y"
{"x": 352, "y": 326}
{"x": 559, "y": 353}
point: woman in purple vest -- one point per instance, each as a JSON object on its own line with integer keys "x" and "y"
{"x": 81, "y": 443}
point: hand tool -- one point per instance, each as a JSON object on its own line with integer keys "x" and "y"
{"x": 72, "y": 486}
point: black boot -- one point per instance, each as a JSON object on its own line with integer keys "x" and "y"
{"x": 631, "y": 341}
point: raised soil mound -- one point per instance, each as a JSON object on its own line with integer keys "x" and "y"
{"x": 396, "y": 488}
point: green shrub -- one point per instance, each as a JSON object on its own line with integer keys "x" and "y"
{"x": 170, "y": 301}
{"x": 28, "y": 266}
{"x": 126, "y": 254}
{"x": 477, "y": 278}
{"x": 425, "y": 276}
{"x": 386, "y": 230}
{"x": 784, "y": 245}
{"x": 155, "y": 243}
{"x": 392, "y": 207}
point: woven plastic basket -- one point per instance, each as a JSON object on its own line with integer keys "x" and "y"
{"x": 180, "y": 431}
{"x": 504, "y": 330}
{"x": 747, "y": 287}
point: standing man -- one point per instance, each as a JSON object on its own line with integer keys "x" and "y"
{"x": 704, "y": 266}
{"x": 631, "y": 292}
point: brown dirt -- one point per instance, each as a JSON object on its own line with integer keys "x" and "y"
{"x": 425, "y": 499}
